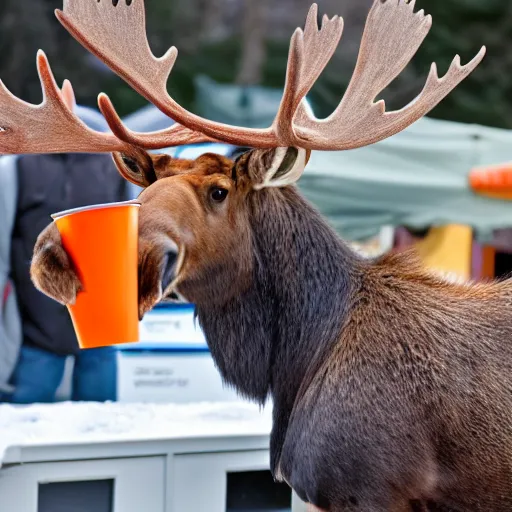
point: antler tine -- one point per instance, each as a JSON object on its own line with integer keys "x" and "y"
{"x": 50, "y": 127}
{"x": 102, "y": 28}
{"x": 310, "y": 52}
{"x": 116, "y": 33}
{"x": 392, "y": 36}
{"x": 68, "y": 95}
{"x": 176, "y": 135}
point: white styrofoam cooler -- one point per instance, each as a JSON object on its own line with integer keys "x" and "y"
{"x": 171, "y": 363}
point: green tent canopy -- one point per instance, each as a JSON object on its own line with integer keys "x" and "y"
{"x": 417, "y": 178}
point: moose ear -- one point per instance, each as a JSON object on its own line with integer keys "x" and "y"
{"x": 136, "y": 166}
{"x": 286, "y": 168}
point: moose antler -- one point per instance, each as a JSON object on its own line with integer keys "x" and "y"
{"x": 115, "y": 31}
{"x": 310, "y": 52}
{"x": 100, "y": 26}
{"x": 393, "y": 34}
{"x": 50, "y": 127}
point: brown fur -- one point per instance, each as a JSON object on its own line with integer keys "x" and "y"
{"x": 433, "y": 360}
{"x": 52, "y": 269}
{"x": 392, "y": 389}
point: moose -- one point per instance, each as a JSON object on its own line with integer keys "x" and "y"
{"x": 391, "y": 387}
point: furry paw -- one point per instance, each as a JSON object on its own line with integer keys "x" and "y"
{"x": 52, "y": 271}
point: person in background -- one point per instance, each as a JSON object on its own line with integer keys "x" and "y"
{"x": 48, "y": 184}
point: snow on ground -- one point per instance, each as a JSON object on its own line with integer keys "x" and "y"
{"x": 92, "y": 422}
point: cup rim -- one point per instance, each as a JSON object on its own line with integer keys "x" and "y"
{"x": 104, "y": 206}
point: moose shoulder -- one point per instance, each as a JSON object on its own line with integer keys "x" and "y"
{"x": 391, "y": 388}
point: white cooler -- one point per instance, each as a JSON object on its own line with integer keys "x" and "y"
{"x": 171, "y": 363}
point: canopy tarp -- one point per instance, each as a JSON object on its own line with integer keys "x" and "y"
{"x": 418, "y": 178}
{"x": 249, "y": 106}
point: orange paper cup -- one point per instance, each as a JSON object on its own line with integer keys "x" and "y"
{"x": 102, "y": 242}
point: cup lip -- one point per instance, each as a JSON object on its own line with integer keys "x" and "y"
{"x": 104, "y": 206}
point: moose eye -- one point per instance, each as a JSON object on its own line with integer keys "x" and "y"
{"x": 218, "y": 194}
{"x": 131, "y": 164}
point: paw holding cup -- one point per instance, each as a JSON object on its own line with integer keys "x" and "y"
{"x": 88, "y": 260}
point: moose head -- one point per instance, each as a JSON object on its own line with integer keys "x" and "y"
{"x": 196, "y": 219}
{"x": 358, "y": 356}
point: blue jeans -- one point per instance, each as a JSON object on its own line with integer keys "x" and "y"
{"x": 39, "y": 373}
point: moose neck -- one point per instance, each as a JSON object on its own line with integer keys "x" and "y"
{"x": 272, "y": 337}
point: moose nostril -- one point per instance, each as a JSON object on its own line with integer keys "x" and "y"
{"x": 169, "y": 269}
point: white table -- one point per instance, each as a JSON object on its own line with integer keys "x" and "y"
{"x": 151, "y": 458}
